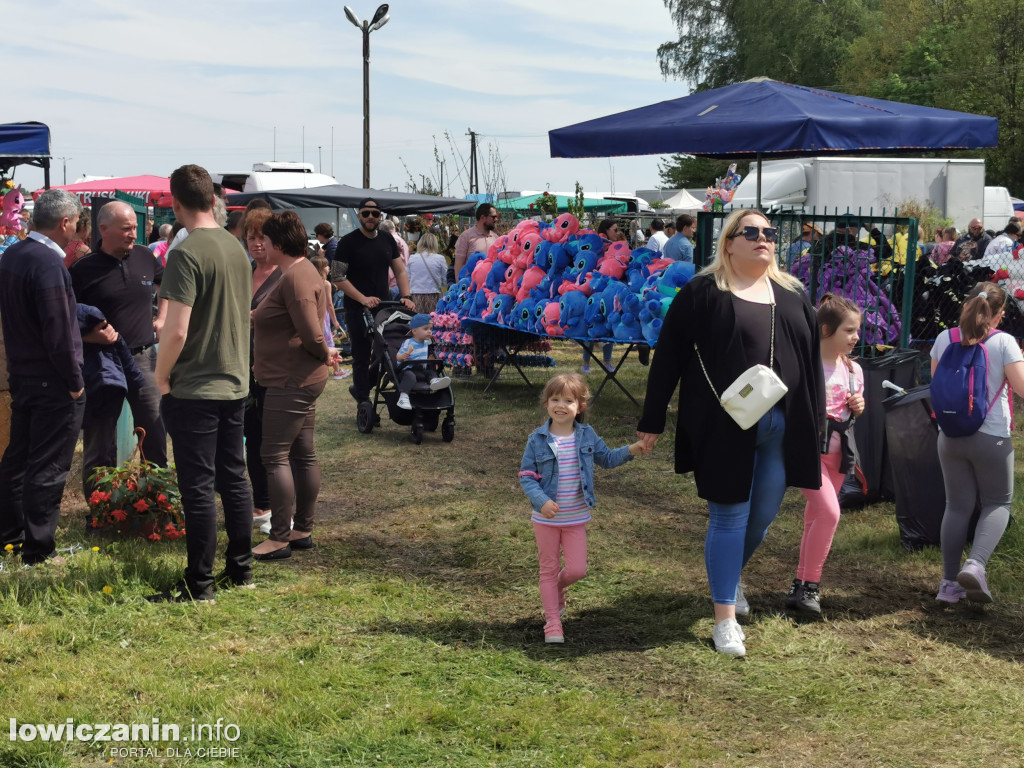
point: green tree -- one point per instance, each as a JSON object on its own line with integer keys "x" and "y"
{"x": 681, "y": 171}
{"x": 726, "y": 41}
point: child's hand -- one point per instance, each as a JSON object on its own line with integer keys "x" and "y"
{"x": 639, "y": 448}
{"x": 855, "y": 403}
{"x": 550, "y": 509}
{"x": 402, "y": 356}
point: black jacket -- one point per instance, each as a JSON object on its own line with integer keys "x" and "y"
{"x": 708, "y": 442}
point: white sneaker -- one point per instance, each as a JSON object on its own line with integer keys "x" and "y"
{"x": 403, "y": 402}
{"x": 261, "y": 519}
{"x": 742, "y": 606}
{"x": 265, "y": 528}
{"x": 729, "y": 637}
{"x": 442, "y": 382}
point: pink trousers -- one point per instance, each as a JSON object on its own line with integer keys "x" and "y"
{"x": 572, "y": 541}
{"x": 821, "y": 517}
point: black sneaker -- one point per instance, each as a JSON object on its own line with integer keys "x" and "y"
{"x": 804, "y": 597}
{"x": 180, "y": 593}
{"x": 229, "y": 580}
{"x": 796, "y": 594}
{"x": 811, "y": 602}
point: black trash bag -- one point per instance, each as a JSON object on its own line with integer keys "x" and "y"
{"x": 900, "y": 367}
{"x": 913, "y": 439}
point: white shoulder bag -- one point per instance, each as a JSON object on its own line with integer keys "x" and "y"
{"x": 754, "y": 391}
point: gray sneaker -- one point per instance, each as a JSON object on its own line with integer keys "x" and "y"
{"x": 972, "y": 579}
{"x": 742, "y": 606}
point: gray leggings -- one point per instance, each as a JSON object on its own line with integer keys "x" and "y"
{"x": 976, "y": 466}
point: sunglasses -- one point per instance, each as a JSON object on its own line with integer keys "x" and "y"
{"x": 771, "y": 234}
{"x": 370, "y": 214}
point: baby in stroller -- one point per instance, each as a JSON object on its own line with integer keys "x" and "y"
{"x": 417, "y": 347}
{"x": 404, "y": 378}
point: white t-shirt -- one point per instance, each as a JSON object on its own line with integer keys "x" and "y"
{"x": 1002, "y": 351}
{"x": 657, "y": 241}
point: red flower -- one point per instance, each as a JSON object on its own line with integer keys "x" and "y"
{"x": 141, "y": 505}
{"x": 98, "y": 497}
{"x": 119, "y": 514}
{"x": 154, "y": 537}
{"x": 545, "y": 193}
{"x": 169, "y": 528}
{"x": 161, "y": 499}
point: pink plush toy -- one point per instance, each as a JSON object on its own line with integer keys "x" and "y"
{"x": 13, "y": 202}
{"x": 561, "y": 228}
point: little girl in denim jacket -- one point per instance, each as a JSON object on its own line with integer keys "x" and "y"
{"x": 557, "y": 475}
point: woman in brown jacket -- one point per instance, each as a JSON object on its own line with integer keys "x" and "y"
{"x": 291, "y": 361}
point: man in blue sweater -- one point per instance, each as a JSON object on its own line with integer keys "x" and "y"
{"x": 44, "y": 361}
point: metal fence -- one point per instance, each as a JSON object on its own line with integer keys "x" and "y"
{"x": 860, "y": 256}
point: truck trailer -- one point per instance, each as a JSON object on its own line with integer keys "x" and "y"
{"x": 828, "y": 185}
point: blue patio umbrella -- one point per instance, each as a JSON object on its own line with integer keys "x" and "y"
{"x": 768, "y": 117}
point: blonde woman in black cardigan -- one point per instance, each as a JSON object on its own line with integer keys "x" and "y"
{"x": 726, "y": 311}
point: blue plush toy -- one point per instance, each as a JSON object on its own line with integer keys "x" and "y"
{"x": 628, "y": 326}
{"x": 524, "y": 315}
{"x": 474, "y": 258}
{"x": 496, "y": 276}
{"x": 572, "y": 307}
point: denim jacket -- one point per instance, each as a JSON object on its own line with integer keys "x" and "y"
{"x": 538, "y": 474}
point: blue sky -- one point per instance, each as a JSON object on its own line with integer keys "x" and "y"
{"x": 140, "y": 87}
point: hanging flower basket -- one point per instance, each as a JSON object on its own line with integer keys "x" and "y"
{"x": 138, "y": 498}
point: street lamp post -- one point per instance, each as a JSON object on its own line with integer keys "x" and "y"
{"x": 380, "y": 18}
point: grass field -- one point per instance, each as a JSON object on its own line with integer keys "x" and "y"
{"x": 412, "y": 634}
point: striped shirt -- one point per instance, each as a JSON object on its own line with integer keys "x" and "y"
{"x": 572, "y": 508}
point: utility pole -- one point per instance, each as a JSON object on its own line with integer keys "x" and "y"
{"x": 65, "y": 159}
{"x": 442, "y": 177}
{"x": 474, "y": 177}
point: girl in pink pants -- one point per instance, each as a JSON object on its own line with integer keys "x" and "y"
{"x": 839, "y": 320}
{"x": 557, "y": 473}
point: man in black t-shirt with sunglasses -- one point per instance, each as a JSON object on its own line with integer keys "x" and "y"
{"x": 360, "y": 271}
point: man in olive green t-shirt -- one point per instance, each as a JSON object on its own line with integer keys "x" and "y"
{"x": 202, "y": 371}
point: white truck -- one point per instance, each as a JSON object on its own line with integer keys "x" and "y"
{"x": 828, "y": 185}
{"x": 276, "y": 175}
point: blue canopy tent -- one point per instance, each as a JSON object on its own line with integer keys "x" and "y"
{"x": 768, "y": 117}
{"x": 25, "y": 144}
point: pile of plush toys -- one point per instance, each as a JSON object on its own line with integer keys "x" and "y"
{"x": 721, "y": 193}
{"x": 10, "y": 217}
{"x": 558, "y": 280}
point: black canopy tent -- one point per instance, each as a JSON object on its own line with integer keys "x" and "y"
{"x": 25, "y": 144}
{"x": 344, "y": 196}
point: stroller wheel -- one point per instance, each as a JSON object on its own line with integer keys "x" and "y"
{"x": 365, "y": 417}
{"x": 448, "y": 429}
{"x": 417, "y": 433}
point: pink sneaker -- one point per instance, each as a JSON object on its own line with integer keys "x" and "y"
{"x": 950, "y": 592}
{"x": 972, "y": 579}
{"x": 553, "y": 632}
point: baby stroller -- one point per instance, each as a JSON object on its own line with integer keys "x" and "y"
{"x": 388, "y": 326}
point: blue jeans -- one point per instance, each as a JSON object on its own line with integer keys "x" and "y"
{"x": 736, "y": 530}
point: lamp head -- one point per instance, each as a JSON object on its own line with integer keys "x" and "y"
{"x": 380, "y": 16}
{"x": 382, "y": 22}
{"x": 351, "y": 16}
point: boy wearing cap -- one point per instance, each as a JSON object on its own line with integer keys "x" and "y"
{"x": 417, "y": 347}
